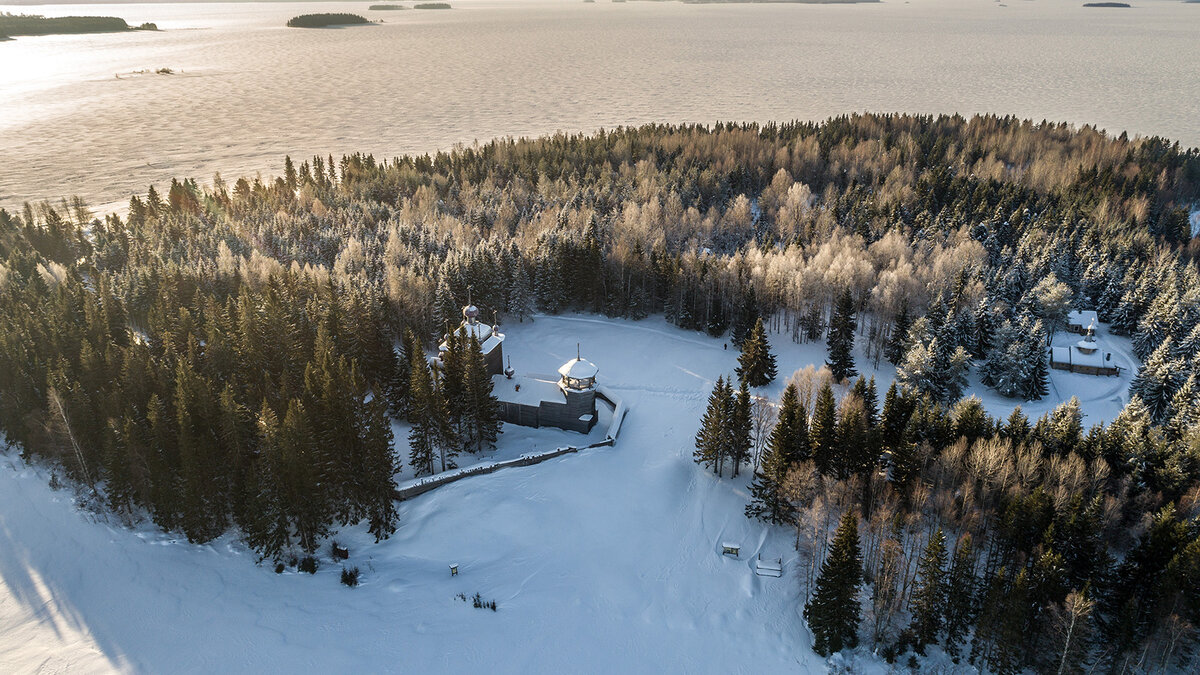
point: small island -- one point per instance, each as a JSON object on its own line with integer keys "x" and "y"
{"x": 325, "y": 20}
{"x": 12, "y": 25}
{"x": 432, "y": 5}
{"x": 381, "y": 8}
{"x": 1107, "y": 4}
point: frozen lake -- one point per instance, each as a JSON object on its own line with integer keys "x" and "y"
{"x": 75, "y": 118}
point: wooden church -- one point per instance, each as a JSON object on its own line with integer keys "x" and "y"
{"x": 569, "y": 402}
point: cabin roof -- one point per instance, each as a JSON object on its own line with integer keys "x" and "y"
{"x": 1082, "y": 317}
{"x": 1072, "y": 355}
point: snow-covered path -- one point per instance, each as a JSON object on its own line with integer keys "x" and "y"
{"x": 603, "y": 561}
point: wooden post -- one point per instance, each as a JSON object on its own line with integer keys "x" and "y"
{"x": 454, "y": 570}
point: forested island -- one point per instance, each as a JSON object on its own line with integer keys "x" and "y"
{"x": 230, "y": 356}
{"x": 432, "y": 5}
{"x": 1107, "y": 4}
{"x": 35, "y": 24}
{"x": 382, "y": 8}
{"x": 325, "y": 20}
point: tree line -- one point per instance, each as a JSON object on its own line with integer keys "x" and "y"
{"x": 229, "y": 350}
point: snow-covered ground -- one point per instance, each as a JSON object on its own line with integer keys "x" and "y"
{"x": 603, "y": 561}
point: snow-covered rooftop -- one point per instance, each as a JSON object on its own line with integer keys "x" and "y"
{"x": 579, "y": 369}
{"x": 488, "y": 337}
{"x": 532, "y": 391}
{"x": 1083, "y": 318}
{"x": 1073, "y": 355}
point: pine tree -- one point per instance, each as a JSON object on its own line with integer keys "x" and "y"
{"x": 840, "y": 342}
{"x": 768, "y": 500}
{"x": 713, "y": 438}
{"x": 928, "y": 602}
{"x": 747, "y": 315}
{"x": 401, "y": 385}
{"x": 265, "y": 525}
{"x": 483, "y": 416}
{"x": 445, "y": 309}
{"x": 424, "y": 410}
{"x": 787, "y": 446}
{"x": 855, "y": 449}
{"x": 897, "y": 346}
{"x": 823, "y": 432}
{"x": 756, "y": 365}
{"x": 1037, "y": 384}
{"x": 740, "y": 427}
{"x": 833, "y": 610}
{"x": 452, "y": 384}
{"x": 790, "y": 438}
{"x": 307, "y": 502}
{"x": 960, "y": 596}
{"x": 1157, "y": 381}
{"x": 520, "y": 299}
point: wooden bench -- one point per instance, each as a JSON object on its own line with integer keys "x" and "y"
{"x": 731, "y": 549}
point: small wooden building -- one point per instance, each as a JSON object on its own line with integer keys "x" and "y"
{"x": 569, "y": 403}
{"x": 1079, "y": 321}
{"x": 1085, "y": 356}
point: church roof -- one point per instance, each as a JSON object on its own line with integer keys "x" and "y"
{"x": 579, "y": 369}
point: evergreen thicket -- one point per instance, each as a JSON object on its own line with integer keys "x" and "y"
{"x": 229, "y": 355}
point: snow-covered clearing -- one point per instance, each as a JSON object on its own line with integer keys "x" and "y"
{"x": 608, "y": 560}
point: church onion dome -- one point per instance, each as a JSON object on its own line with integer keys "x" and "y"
{"x": 470, "y": 312}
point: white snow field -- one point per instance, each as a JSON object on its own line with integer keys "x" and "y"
{"x": 605, "y": 561}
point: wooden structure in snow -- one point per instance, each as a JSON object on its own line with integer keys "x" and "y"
{"x": 491, "y": 340}
{"x": 768, "y": 568}
{"x": 568, "y": 403}
{"x": 454, "y": 570}
{"x": 1078, "y": 321}
{"x": 1085, "y": 356}
{"x": 734, "y": 550}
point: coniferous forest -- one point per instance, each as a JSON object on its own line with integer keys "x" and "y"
{"x": 230, "y": 356}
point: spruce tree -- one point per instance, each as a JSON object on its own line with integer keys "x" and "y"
{"x": 790, "y": 438}
{"x": 960, "y": 596}
{"x": 855, "y": 448}
{"x": 482, "y": 407}
{"x": 768, "y": 500}
{"x": 740, "y": 428}
{"x": 746, "y": 316}
{"x": 756, "y": 365}
{"x": 265, "y": 524}
{"x": 897, "y": 346}
{"x": 928, "y": 602}
{"x": 833, "y": 610}
{"x": 1037, "y": 384}
{"x": 424, "y": 436}
{"x": 787, "y": 446}
{"x": 452, "y": 384}
{"x": 823, "y": 432}
{"x": 1157, "y": 381}
{"x": 840, "y": 342}
{"x": 713, "y": 438}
